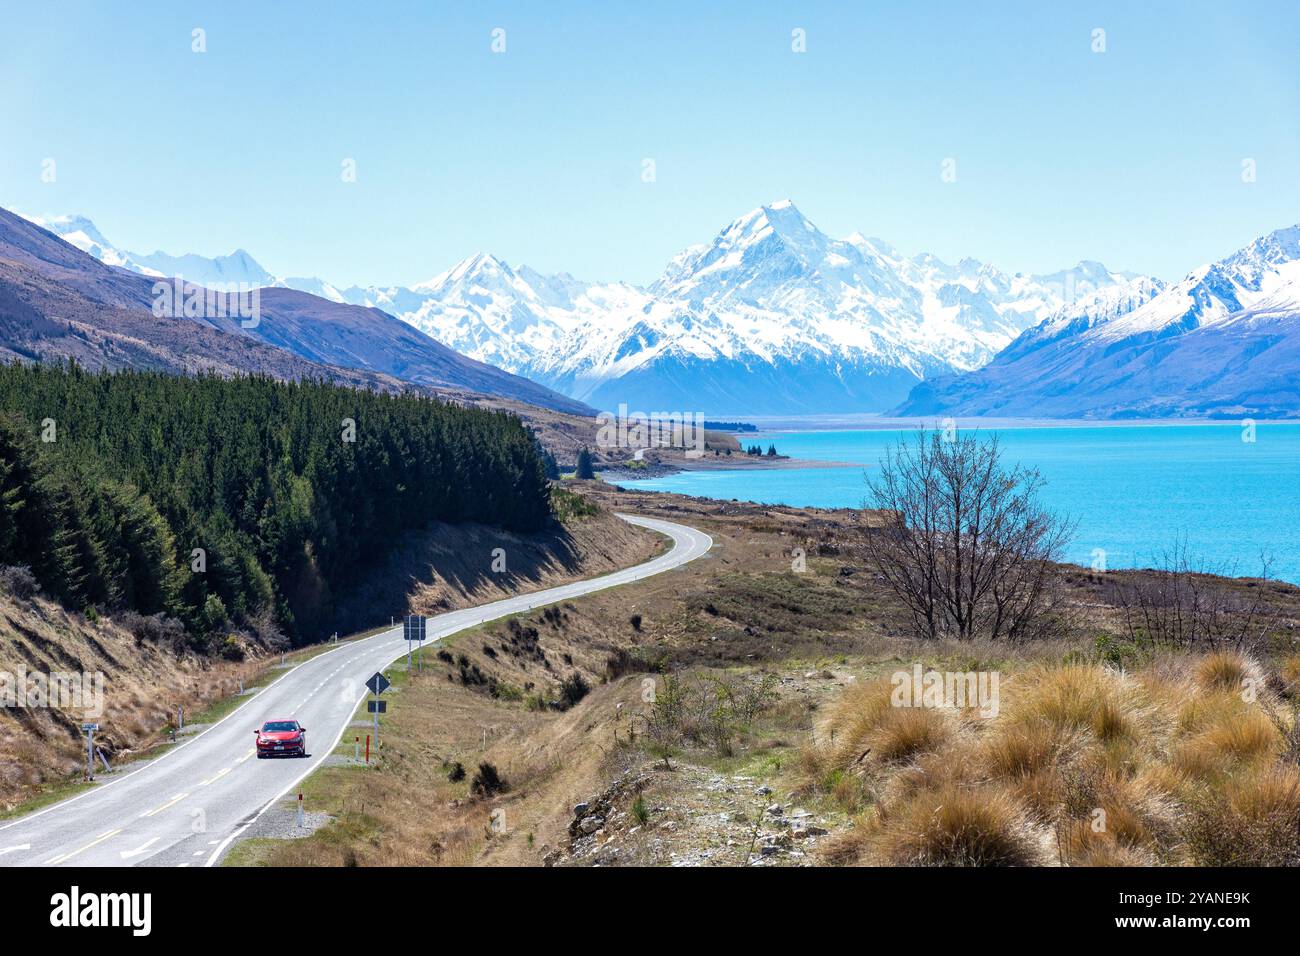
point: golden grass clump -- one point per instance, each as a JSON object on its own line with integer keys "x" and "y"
{"x": 957, "y": 826}
{"x": 904, "y": 732}
{"x": 1082, "y": 846}
{"x": 1083, "y": 765}
{"x": 1288, "y": 674}
{"x": 1025, "y": 748}
{"x": 1084, "y": 697}
{"x": 1253, "y": 819}
{"x": 1227, "y": 670}
{"x": 865, "y": 723}
{"x": 1228, "y": 743}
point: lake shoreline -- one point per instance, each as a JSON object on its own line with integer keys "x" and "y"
{"x": 1224, "y": 491}
{"x": 769, "y": 424}
{"x": 663, "y": 469}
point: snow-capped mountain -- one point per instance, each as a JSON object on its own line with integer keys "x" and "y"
{"x": 238, "y": 267}
{"x": 1223, "y": 341}
{"x": 771, "y": 316}
{"x": 59, "y": 302}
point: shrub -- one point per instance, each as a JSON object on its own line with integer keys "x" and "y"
{"x": 635, "y": 621}
{"x": 457, "y": 772}
{"x": 17, "y": 581}
{"x": 640, "y": 812}
{"x": 572, "y": 689}
{"x": 153, "y": 629}
{"x": 487, "y": 781}
{"x": 999, "y": 577}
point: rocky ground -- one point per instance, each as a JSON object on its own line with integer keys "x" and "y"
{"x": 692, "y": 817}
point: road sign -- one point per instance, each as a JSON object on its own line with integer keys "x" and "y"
{"x": 378, "y": 683}
{"x": 413, "y": 630}
{"x": 87, "y": 728}
{"x": 377, "y": 706}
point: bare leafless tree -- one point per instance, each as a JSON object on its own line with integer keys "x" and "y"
{"x": 1183, "y": 602}
{"x": 968, "y": 547}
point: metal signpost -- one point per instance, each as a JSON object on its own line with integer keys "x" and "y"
{"x": 89, "y": 731}
{"x": 377, "y": 684}
{"x": 413, "y": 630}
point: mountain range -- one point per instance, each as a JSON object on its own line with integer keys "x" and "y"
{"x": 58, "y": 301}
{"x": 1222, "y": 342}
{"x": 772, "y": 316}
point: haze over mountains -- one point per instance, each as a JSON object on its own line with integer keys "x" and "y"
{"x": 772, "y": 316}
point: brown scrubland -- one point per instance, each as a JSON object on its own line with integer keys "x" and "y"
{"x": 737, "y": 711}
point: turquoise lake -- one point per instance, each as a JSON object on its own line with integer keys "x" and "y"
{"x": 1134, "y": 490}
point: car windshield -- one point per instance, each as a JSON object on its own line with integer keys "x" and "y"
{"x": 278, "y": 726}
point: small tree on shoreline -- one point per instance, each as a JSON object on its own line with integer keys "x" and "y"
{"x": 969, "y": 548}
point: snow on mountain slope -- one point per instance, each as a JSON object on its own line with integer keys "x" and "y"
{"x": 774, "y": 316}
{"x": 238, "y": 267}
{"x": 80, "y": 232}
{"x": 1223, "y": 341}
{"x": 770, "y": 316}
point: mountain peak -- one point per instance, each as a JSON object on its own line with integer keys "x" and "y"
{"x": 781, "y": 218}
{"x": 480, "y": 265}
{"x": 76, "y": 229}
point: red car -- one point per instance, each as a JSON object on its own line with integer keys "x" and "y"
{"x": 281, "y": 737}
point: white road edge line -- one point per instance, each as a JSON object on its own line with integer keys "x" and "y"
{"x": 648, "y": 523}
{"x": 146, "y": 764}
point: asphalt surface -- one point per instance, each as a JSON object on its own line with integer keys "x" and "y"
{"x": 185, "y": 807}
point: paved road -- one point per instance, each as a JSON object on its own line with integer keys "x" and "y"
{"x": 186, "y": 806}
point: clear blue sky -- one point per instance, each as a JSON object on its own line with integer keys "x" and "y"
{"x": 1132, "y": 156}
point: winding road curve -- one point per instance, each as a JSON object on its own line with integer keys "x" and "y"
{"x": 186, "y": 806}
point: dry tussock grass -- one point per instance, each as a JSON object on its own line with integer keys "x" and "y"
{"x": 958, "y": 826}
{"x": 1182, "y": 762}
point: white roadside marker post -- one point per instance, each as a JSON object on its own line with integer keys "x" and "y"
{"x": 302, "y": 817}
